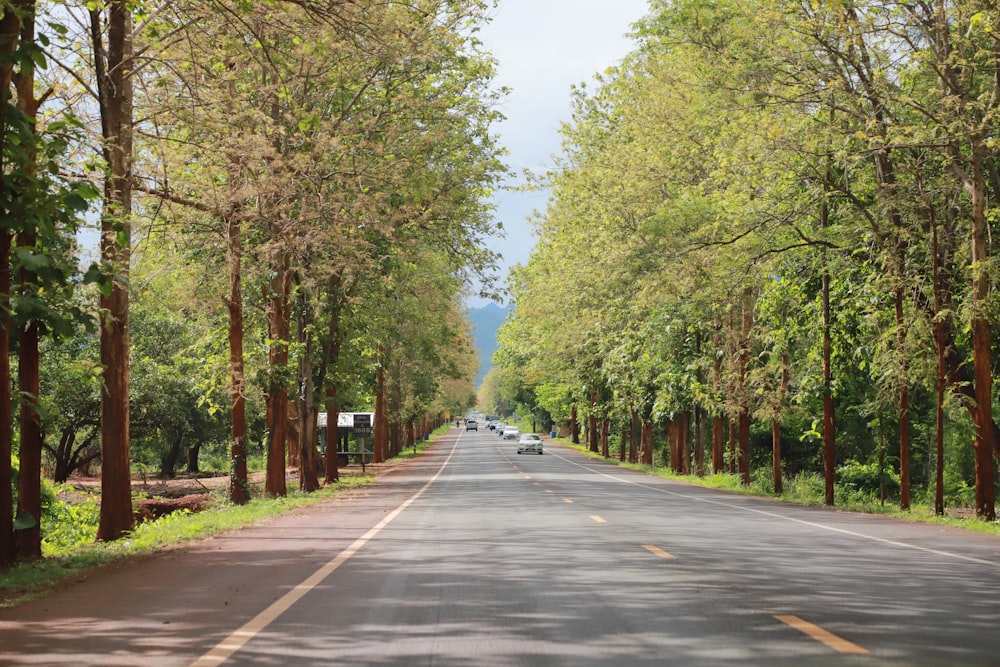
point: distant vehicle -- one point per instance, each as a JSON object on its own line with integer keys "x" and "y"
{"x": 493, "y": 424}
{"x": 530, "y": 443}
{"x": 511, "y": 433}
{"x": 471, "y": 425}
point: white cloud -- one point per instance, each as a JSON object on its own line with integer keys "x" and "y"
{"x": 544, "y": 47}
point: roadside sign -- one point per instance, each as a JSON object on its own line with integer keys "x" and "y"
{"x": 362, "y": 424}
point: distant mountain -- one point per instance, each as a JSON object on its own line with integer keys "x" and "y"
{"x": 485, "y": 322}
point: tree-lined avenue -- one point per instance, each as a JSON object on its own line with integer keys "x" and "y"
{"x": 473, "y": 554}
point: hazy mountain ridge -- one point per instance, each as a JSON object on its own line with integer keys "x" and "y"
{"x": 485, "y": 321}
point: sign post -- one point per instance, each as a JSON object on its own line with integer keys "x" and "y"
{"x": 362, "y": 429}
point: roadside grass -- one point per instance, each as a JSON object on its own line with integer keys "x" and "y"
{"x": 807, "y": 490}
{"x": 69, "y": 552}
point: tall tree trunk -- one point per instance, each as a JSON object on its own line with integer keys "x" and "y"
{"x": 829, "y": 443}
{"x": 635, "y": 436}
{"x": 684, "y": 441}
{"x": 647, "y": 442}
{"x": 699, "y": 441}
{"x": 592, "y": 435}
{"x": 381, "y": 434}
{"x": 574, "y": 426}
{"x": 623, "y": 438}
{"x": 277, "y": 396}
{"x": 776, "y": 475}
{"x": 308, "y": 456}
{"x": 942, "y": 377}
{"x": 29, "y": 501}
{"x": 733, "y": 444}
{"x": 10, "y": 34}
{"x": 29, "y": 497}
{"x": 904, "y": 403}
{"x": 239, "y": 489}
{"x": 114, "y": 80}
{"x": 718, "y": 444}
{"x": 718, "y": 437}
{"x": 981, "y": 337}
{"x": 605, "y": 436}
{"x": 744, "y": 399}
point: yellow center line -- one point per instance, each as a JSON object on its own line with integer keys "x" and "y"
{"x": 549, "y": 491}
{"x": 598, "y": 519}
{"x": 657, "y": 551}
{"x": 838, "y": 644}
{"x": 568, "y": 501}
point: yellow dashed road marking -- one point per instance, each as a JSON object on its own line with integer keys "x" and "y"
{"x": 657, "y": 551}
{"x": 838, "y": 644}
{"x": 598, "y": 519}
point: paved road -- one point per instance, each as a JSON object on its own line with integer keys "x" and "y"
{"x": 473, "y": 555}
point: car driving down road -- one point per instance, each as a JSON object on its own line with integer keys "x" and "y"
{"x": 530, "y": 443}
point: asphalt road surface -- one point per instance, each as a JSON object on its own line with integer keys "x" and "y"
{"x": 474, "y": 555}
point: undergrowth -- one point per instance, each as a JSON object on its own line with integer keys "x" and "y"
{"x": 69, "y": 528}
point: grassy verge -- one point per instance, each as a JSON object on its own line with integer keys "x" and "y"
{"x": 61, "y": 564}
{"x": 805, "y": 491}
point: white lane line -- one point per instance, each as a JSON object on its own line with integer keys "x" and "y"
{"x": 773, "y": 515}
{"x": 238, "y": 639}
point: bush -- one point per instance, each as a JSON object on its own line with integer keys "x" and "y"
{"x": 862, "y": 481}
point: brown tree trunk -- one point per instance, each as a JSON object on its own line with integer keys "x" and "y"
{"x": 733, "y": 445}
{"x": 605, "y": 436}
{"x": 592, "y": 436}
{"x": 307, "y": 412}
{"x": 114, "y": 79}
{"x": 635, "y": 437}
{"x": 277, "y": 396}
{"x": 673, "y": 445}
{"x": 381, "y": 434}
{"x": 574, "y": 426}
{"x": 647, "y": 442}
{"x": 239, "y": 489}
{"x": 939, "y": 345}
{"x": 626, "y": 430}
{"x": 10, "y": 32}
{"x": 904, "y": 403}
{"x": 168, "y": 465}
{"x": 744, "y": 400}
{"x": 829, "y": 442}
{"x": 718, "y": 435}
{"x": 29, "y": 497}
{"x": 776, "y": 475}
{"x": 684, "y": 441}
{"x": 29, "y": 501}
{"x": 718, "y": 444}
{"x": 699, "y": 442}
{"x": 982, "y": 339}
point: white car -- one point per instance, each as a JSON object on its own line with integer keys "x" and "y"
{"x": 511, "y": 433}
{"x": 529, "y": 442}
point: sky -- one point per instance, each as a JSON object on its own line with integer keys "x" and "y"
{"x": 544, "y": 47}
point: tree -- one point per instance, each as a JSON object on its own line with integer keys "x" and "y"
{"x": 114, "y": 70}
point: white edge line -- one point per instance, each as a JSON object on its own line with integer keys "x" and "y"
{"x": 236, "y": 640}
{"x": 882, "y": 540}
